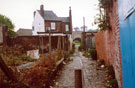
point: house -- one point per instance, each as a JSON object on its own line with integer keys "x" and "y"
{"x": 45, "y": 20}
{"x": 24, "y": 32}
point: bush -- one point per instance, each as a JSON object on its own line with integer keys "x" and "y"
{"x": 93, "y": 53}
{"x": 80, "y": 48}
{"x": 86, "y": 54}
{"x": 113, "y": 82}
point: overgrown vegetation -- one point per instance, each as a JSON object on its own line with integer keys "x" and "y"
{"x": 41, "y": 73}
{"x": 111, "y": 81}
{"x": 93, "y": 54}
{"x": 102, "y": 19}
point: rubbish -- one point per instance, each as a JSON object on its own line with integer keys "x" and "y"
{"x": 102, "y": 66}
{"x": 33, "y": 54}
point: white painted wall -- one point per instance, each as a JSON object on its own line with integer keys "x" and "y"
{"x": 38, "y": 24}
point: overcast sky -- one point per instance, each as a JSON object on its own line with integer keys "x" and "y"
{"x": 21, "y": 11}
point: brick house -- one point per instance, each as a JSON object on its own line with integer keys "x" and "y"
{"x": 45, "y": 20}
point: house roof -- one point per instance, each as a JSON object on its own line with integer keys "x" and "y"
{"x": 51, "y": 16}
{"x": 24, "y": 32}
{"x": 64, "y": 19}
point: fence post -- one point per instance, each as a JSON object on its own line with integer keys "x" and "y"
{"x": 78, "y": 78}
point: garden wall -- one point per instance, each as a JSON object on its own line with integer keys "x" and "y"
{"x": 36, "y": 42}
{"x": 108, "y": 44}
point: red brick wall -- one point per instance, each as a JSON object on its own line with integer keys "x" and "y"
{"x": 60, "y": 26}
{"x": 63, "y": 26}
{"x": 33, "y": 42}
{"x": 57, "y": 24}
{"x": 108, "y": 44}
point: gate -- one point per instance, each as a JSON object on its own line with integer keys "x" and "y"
{"x": 127, "y": 41}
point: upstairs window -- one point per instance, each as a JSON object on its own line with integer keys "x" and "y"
{"x": 67, "y": 27}
{"x": 53, "y": 26}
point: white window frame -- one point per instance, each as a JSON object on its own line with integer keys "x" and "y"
{"x": 53, "y": 25}
{"x": 67, "y": 27}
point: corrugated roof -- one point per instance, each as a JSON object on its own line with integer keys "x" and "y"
{"x": 51, "y": 16}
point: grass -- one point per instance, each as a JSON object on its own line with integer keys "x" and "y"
{"x": 77, "y": 43}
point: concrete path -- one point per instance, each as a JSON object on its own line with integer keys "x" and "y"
{"x": 92, "y": 78}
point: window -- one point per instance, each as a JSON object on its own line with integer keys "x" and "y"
{"x": 53, "y": 26}
{"x": 67, "y": 27}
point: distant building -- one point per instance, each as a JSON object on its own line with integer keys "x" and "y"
{"x": 24, "y": 32}
{"x": 45, "y": 20}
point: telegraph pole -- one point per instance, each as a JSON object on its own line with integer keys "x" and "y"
{"x": 83, "y": 34}
{"x": 83, "y": 24}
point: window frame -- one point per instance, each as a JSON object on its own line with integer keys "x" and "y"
{"x": 53, "y": 26}
{"x": 66, "y": 27}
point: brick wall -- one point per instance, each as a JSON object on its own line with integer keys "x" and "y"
{"x": 35, "y": 42}
{"x": 60, "y": 26}
{"x": 57, "y": 24}
{"x": 108, "y": 44}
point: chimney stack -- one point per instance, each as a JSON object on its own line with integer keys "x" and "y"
{"x": 34, "y": 13}
{"x": 42, "y": 10}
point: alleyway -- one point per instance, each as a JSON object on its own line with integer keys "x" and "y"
{"x": 93, "y": 78}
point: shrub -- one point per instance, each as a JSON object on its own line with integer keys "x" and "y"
{"x": 113, "y": 82}
{"x": 92, "y": 51}
{"x": 80, "y": 48}
{"x": 93, "y": 54}
{"x": 86, "y": 54}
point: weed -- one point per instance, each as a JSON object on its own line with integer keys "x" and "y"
{"x": 113, "y": 82}
{"x": 26, "y": 58}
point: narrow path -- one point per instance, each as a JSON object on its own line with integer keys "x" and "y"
{"x": 92, "y": 78}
